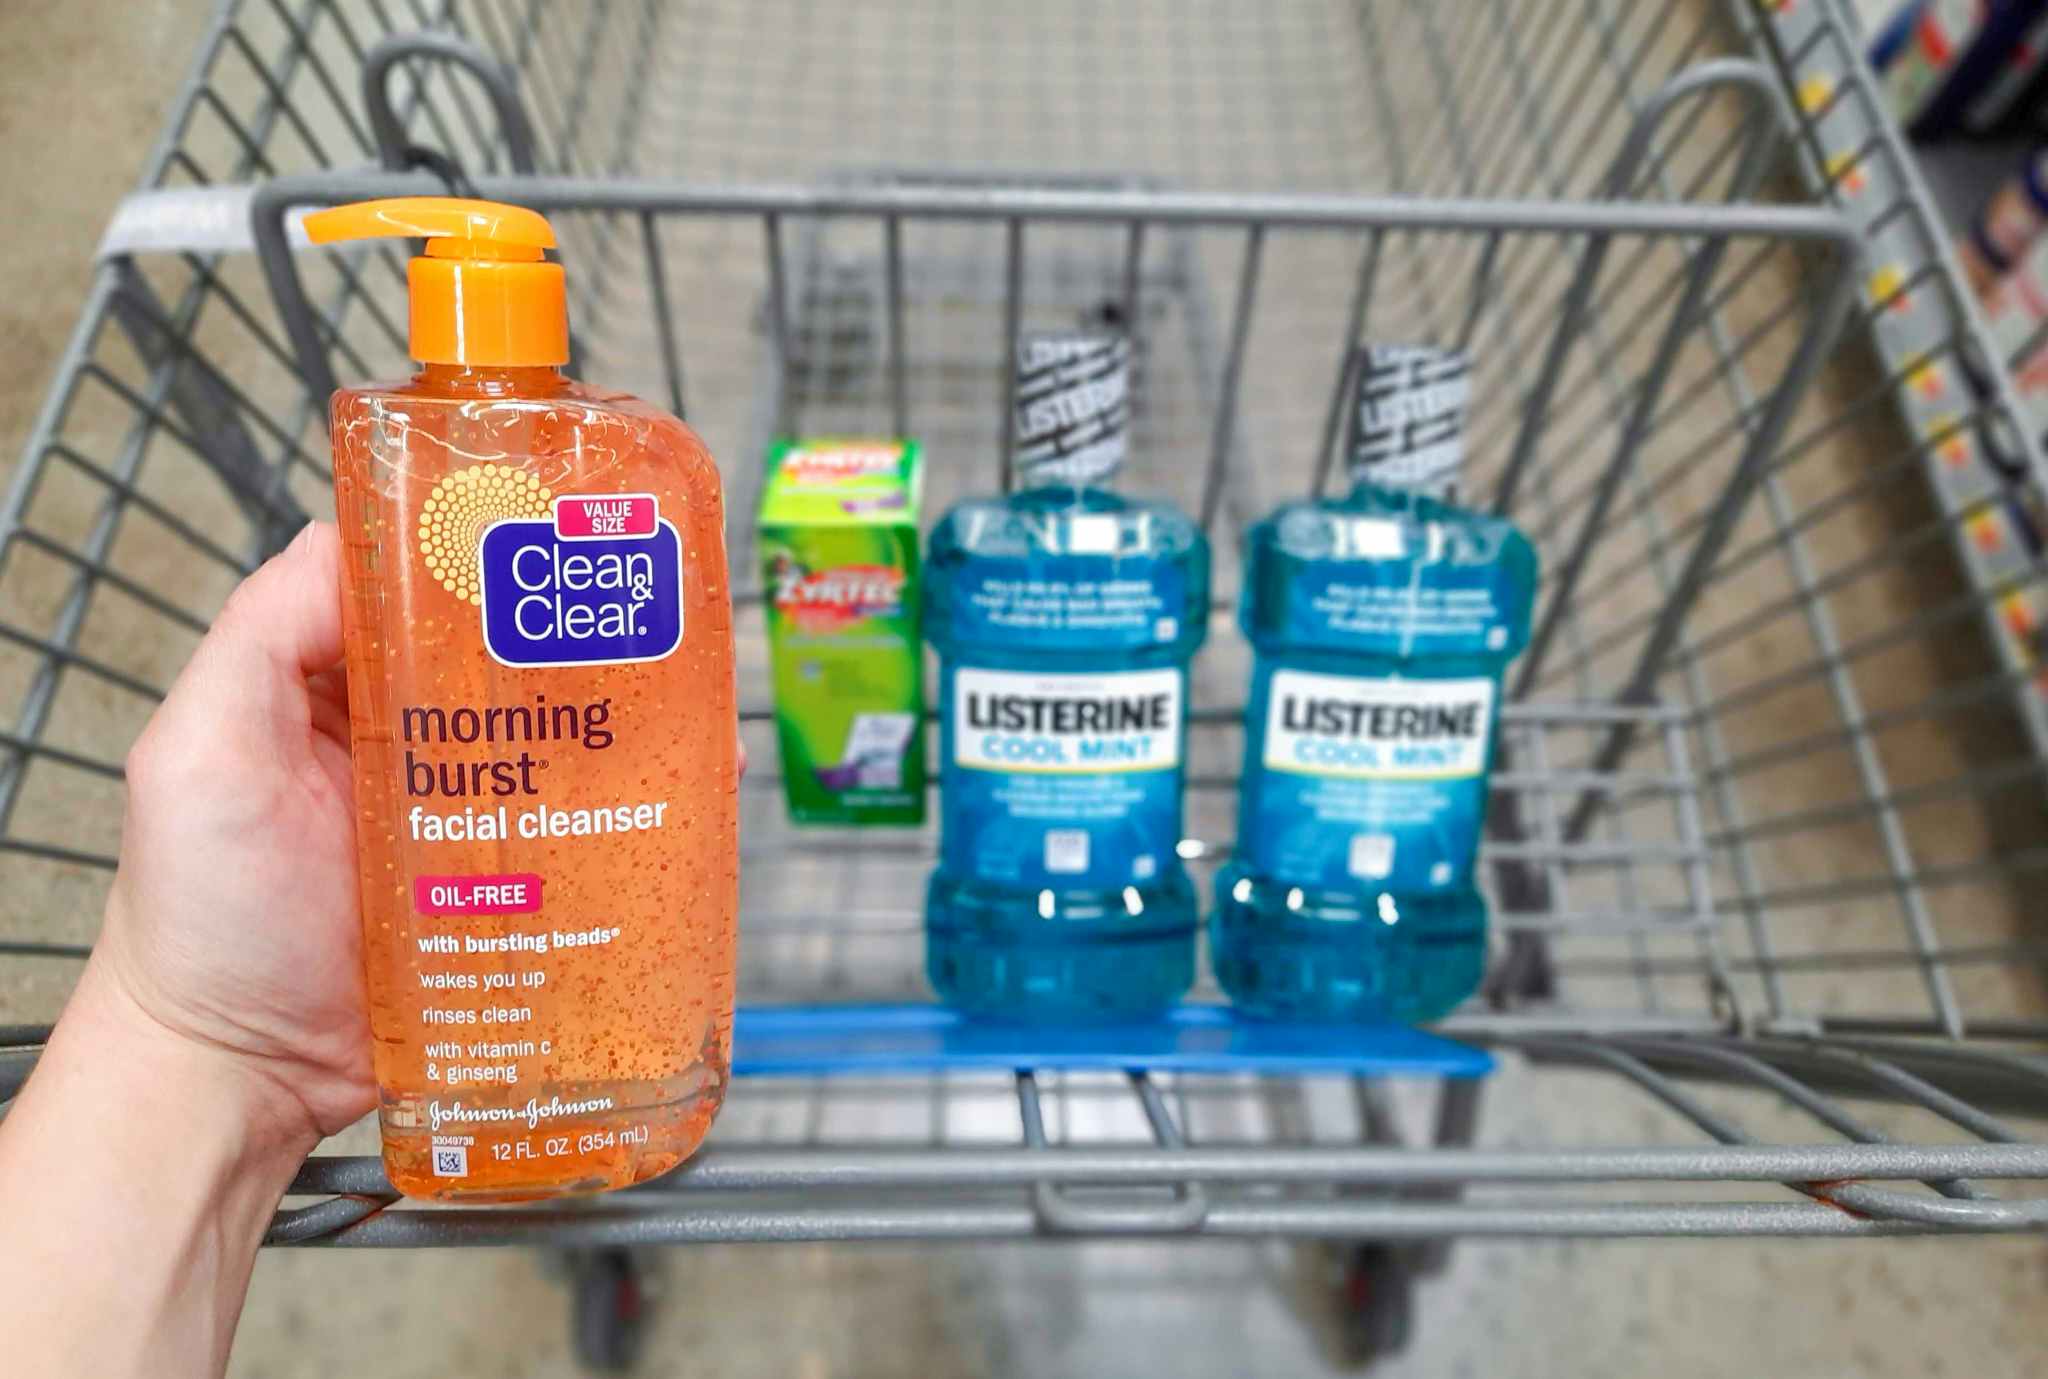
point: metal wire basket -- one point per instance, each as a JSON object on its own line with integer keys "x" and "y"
{"x": 1768, "y": 798}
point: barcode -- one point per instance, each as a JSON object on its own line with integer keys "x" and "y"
{"x": 1066, "y": 850}
{"x": 451, "y": 1161}
{"x": 1372, "y": 854}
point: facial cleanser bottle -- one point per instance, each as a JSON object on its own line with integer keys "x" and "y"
{"x": 541, "y": 703}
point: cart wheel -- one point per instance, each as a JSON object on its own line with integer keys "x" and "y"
{"x": 1375, "y": 1304}
{"x": 609, "y": 1308}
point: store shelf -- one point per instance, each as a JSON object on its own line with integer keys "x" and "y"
{"x": 1954, "y": 393}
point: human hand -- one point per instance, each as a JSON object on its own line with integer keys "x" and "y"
{"x": 220, "y": 1028}
{"x": 233, "y": 923}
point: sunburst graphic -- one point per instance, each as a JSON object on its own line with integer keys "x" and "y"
{"x": 459, "y": 510}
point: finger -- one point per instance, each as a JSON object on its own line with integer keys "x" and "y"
{"x": 289, "y": 612}
{"x": 280, "y": 626}
{"x": 327, "y": 697}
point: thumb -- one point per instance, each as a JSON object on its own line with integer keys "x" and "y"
{"x": 281, "y": 625}
{"x": 288, "y": 614}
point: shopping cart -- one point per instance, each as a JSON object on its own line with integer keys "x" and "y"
{"x": 1769, "y": 795}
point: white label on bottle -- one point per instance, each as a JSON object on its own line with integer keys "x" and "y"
{"x": 1054, "y": 721}
{"x": 1371, "y": 855}
{"x": 1376, "y": 729}
{"x": 1093, "y": 533}
{"x": 1375, "y": 538}
{"x": 1066, "y": 851}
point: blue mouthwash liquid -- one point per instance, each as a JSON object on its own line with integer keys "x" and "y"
{"x": 1381, "y": 624}
{"x": 1064, "y": 617}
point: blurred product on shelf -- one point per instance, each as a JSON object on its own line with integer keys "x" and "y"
{"x": 1893, "y": 35}
{"x": 1064, "y": 617}
{"x": 1383, "y": 622}
{"x": 1920, "y": 49}
{"x": 1965, "y": 67}
{"x": 838, "y": 536}
{"x": 2016, "y": 312}
{"x": 2011, "y": 102}
{"x": 1968, "y": 82}
{"x": 2006, "y": 226}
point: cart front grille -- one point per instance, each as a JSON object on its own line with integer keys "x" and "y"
{"x": 1770, "y": 797}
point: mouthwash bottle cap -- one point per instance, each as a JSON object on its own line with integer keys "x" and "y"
{"x": 1407, "y": 427}
{"x": 482, "y": 293}
{"x": 1073, "y": 406}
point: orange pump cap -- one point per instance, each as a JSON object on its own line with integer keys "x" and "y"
{"x": 482, "y": 293}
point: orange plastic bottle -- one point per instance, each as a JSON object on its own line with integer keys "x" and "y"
{"x": 541, "y": 703}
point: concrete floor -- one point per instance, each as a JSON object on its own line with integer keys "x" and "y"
{"x": 87, "y": 94}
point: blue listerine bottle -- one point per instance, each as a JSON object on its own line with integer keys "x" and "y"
{"x": 1064, "y": 617}
{"x": 1381, "y": 623}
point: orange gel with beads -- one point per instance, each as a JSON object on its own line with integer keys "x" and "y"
{"x": 541, "y": 701}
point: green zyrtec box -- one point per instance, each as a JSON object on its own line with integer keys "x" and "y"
{"x": 839, "y": 538}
